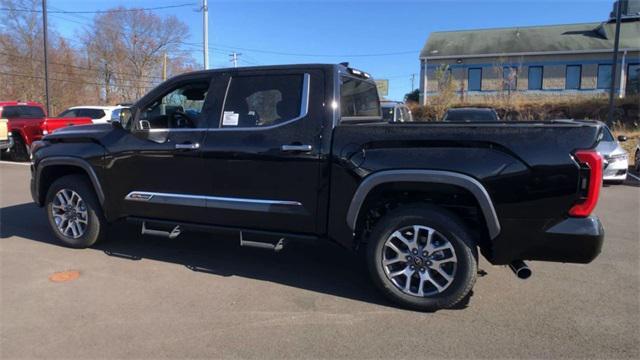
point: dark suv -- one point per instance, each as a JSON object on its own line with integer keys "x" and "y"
{"x": 301, "y": 153}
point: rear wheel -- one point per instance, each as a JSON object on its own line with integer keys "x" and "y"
{"x": 74, "y": 213}
{"x": 20, "y": 150}
{"x": 422, "y": 257}
{"x": 636, "y": 161}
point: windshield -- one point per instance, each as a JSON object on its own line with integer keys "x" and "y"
{"x": 607, "y": 136}
{"x": 470, "y": 115}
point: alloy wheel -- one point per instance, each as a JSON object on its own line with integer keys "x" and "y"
{"x": 419, "y": 260}
{"x": 70, "y": 213}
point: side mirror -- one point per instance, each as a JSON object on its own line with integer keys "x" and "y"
{"x": 124, "y": 117}
{"x": 622, "y": 138}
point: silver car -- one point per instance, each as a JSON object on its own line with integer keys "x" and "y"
{"x": 394, "y": 111}
{"x": 616, "y": 159}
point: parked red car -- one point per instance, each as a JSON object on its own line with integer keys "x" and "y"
{"x": 28, "y": 122}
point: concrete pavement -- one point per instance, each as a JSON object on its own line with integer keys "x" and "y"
{"x": 204, "y": 297}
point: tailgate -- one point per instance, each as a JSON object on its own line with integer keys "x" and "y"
{"x": 4, "y": 129}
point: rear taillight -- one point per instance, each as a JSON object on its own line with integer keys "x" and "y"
{"x": 590, "y": 182}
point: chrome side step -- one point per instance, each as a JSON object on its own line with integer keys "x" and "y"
{"x": 171, "y": 235}
{"x": 262, "y": 245}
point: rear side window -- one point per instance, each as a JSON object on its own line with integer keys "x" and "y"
{"x": 257, "y": 101}
{"x": 358, "y": 99}
{"x": 91, "y": 113}
{"x": 22, "y": 111}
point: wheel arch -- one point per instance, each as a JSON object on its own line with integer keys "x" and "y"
{"x": 50, "y": 169}
{"x": 458, "y": 180}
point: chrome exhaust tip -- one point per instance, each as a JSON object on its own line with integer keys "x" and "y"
{"x": 521, "y": 269}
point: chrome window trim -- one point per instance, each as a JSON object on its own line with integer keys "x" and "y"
{"x": 304, "y": 111}
{"x": 144, "y": 196}
{"x": 304, "y": 108}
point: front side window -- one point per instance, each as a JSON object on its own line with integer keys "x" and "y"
{"x": 180, "y": 108}
{"x": 604, "y": 76}
{"x": 358, "y": 99}
{"x": 258, "y": 101}
{"x": 475, "y": 79}
{"x": 572, "y": 77}
{"x": 535, "y": 77}
{"x": 68, "y": 113}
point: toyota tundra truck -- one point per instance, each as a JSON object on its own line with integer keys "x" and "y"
{"x": 279, "y": 154}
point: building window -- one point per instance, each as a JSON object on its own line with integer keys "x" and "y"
{"x": 633, "y": 79}
{"x": 475, "y": 79}
{"x": 535, "y": 77}
{"x": 604, "y": 76}
{"x": 509, "y": 78}
{"x": 573, "y": 77}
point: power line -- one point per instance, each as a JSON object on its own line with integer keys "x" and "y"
{"x": 81, "y": 67}
{"x": 100, "y": 11}
{"x": 229, "y": 47}
{"x": 73, "y": 81}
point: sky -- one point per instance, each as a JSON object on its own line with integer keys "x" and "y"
{"x": 383, "y": 38}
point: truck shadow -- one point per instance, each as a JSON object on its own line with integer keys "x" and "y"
{"x": 322, "y": 267}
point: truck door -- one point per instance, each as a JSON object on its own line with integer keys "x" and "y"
{"x": 264, "y": 155}
{"x": 156, "y": 168}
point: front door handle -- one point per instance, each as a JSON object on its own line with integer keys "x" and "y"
{"x": 299, "y": 148}
{"x": 188, "y": 146}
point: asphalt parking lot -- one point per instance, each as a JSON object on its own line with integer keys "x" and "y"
{"x": 203, "y": 297}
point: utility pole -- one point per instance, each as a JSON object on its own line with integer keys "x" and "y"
{"x": 614, "y": 66}
{"x": 234, "y": 58}
{"x": 46, "y": 59}
{"x": 164, "y": 67}
{"x": 205, "y": 32}
{"x": 413, "y": 78}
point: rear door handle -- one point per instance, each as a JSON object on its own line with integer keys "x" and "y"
{"x": 188, "y": 146}
{"x": 300, "y": 148}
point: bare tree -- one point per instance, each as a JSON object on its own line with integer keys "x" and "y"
{"x": 128, "y": 47}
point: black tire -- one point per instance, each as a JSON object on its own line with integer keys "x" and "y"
{"x": 636, "y": 160}
{"x": 445, "y": 223}
{"x": 20, "y": 151}
{"x": 96, "y": 225}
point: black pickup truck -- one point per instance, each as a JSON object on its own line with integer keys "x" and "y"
{"x": 300, "y": 153}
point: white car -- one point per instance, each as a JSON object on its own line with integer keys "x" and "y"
{"x": 616, "y": 159}
{"x": 98, "y": 114}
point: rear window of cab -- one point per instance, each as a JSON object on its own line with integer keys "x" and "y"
{"x": 358, "y": 100}
{"x": 21, "y": 111}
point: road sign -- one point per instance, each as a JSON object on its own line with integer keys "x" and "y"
{"x": 383, "y": 87}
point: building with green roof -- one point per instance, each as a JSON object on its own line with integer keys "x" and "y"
{"x": 556, "y": 59}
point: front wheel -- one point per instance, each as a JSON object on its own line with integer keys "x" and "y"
{"x": 74, "y": 212}
{"x": 422, "y": 257}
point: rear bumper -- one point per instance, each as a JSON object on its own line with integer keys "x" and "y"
{"x": 574, "y": 240}
{"x": 570, "y": 240}
{"x": 6, "y": 144}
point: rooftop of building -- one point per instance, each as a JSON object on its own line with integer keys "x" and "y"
{"x": 532, "y": 39}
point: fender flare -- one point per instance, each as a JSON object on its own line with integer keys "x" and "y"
{"x": 426, "y": 176}
{"x": 71, "y": 161}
